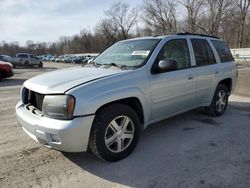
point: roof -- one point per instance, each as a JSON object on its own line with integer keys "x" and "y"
{"x": 178, "y": 34}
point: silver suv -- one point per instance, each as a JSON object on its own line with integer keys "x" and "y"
{"x": 134, "y": 83}
{"x": 27, "y": 60}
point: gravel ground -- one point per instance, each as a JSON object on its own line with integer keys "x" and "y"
{"x": 190, "y": 150}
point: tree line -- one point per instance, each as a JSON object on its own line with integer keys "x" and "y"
{"x": 228, "y": 19}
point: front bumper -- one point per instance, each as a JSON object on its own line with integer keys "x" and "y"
{"x": 11, "y": 73}
{"x": 71, "y": 135}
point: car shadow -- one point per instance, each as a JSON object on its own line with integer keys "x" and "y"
{"x": 158, "y": 151}
{"x": 181, "y": 151}
{"x": 11, "y": 82}
{"x": 35, "y": 68}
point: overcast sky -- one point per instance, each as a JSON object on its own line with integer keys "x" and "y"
{"x": 47, "y": 20}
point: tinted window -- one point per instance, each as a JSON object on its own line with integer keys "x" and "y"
{"x": 31, "y": 56}
{"x": 22, "y": 56}
{"x": 203, "y": 53}
{"x": 176, "y": 50}
{"x": 223, "y": 51}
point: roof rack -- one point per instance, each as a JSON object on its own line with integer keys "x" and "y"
{"x": 196, "y": 34}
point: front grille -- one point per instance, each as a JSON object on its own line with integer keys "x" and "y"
{"x": 33, "y": 98}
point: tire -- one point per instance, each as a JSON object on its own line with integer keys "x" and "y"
{"x": 105, "y": 138}
{"x": 26, "y": 64}
{"x": 219, "y": 103}
{"x": 1, "y": 75}
{"x": 40, "y": 65}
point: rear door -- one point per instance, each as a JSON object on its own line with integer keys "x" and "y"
{"x": 173, "y": 91}
{"x": 205, "y": 70}
{"x": 33, "y": 60}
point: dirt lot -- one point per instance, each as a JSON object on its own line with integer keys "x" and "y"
{"x": 190, "y": 150}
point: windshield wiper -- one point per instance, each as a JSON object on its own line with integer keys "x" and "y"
{"x": 123, "y": 67}
{"x": 93, "y": 63}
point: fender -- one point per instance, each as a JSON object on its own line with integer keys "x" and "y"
{"x": 95, "y": 102}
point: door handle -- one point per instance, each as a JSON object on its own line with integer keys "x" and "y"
{"x": 190, "y": 77}
{"x": 217, "y": 72}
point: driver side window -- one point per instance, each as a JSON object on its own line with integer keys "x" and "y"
{"x": 177, "y": 50}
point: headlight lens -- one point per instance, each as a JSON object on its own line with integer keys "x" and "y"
{"x": 58, "y": 106}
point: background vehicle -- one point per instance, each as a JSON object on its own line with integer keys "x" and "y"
{"x": 129, "y": 86}
{"x": 6, "y": 70}
{"x": 78, "y": 60}
{"x": 27, "y": 60}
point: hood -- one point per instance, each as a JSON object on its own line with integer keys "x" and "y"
{"x": 5, "y": 63}
{"x": 60, "y": 81}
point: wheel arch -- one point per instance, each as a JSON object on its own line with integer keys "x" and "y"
{"x": 227, "y": 82}
{"x": 132, "y": 102}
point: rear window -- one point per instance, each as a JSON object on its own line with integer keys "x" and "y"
{"x": 223, "y": 51}
{"x": 22, "y": 56}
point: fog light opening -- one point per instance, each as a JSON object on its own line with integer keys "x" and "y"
{"x": 55, "y": 138}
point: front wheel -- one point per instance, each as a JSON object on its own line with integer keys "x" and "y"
{"x": 219, "y": 103}
{"x": 115, "y": 132}
{"x": 1, "y": 75}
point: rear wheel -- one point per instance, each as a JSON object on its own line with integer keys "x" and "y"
{"x": 26, "y": 64}
{"x": 219, "y": 103}
{"x": 40, "y": 65}
{"x": 115, "y": 132}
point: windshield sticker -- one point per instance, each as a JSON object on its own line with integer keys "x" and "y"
{"x": 141, "y": 52}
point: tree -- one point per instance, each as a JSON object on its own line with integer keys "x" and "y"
{"x": 160, "y": 16}
{"x": 215, "y": 13}
{"x": 243, "y": 7}
{"x": 107, "y": 32}
{"x": 193, "y": 9}
{"x": 121, "y": 19}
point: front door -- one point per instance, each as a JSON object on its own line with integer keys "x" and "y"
{"x": 173, "y": 91}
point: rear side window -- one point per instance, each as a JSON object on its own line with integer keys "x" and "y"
{"x": 31, "y": 56}
{"x": 203, "y": 53}
{"x": 223, "y": 51}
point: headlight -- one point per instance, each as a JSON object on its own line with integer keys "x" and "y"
{"x": 58, "y": 106}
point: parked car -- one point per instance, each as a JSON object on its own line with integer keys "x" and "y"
{"x": 87, "y": 59}
{"x": 78, "y": 60}
{"x": 27, "y": 60}
{"x": 60, "y": 58}
{"x": 52, "y": 59}
{"x": 2, "y": 58}
{"x": 6, "y": 70}
{"x": 68, "y": 59}
{"x": 134, "y": 83}
{"x": 5, "y": 58}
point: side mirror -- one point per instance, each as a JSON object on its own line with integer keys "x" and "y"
{"x": 165, "y": 66}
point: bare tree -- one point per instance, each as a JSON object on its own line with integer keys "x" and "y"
{"x": 122, "y": 18}
{"x": 243, "y": 7}
{"x": 215, "y": 13}
{"x": 107, "y": 31}
{"x": 193, "y": 8}
{"x": 160, "y": 16}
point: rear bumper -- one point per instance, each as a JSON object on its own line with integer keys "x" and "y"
{"x": 63, "y": 135}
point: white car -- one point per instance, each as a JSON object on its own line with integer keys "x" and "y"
{"x": 134, "y": 83}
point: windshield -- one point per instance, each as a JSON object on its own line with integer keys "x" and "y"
{"x": 131, "y": 53}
